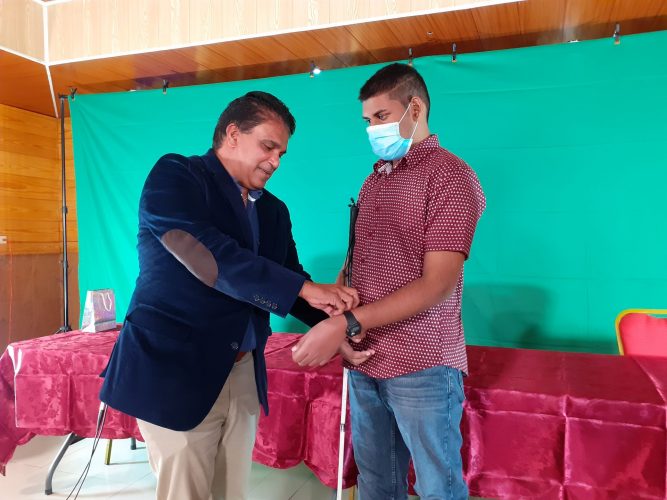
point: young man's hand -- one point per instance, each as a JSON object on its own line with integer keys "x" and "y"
{"x": 352, "y": 356}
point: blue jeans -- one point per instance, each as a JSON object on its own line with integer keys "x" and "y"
{"x": 417, "y": 414}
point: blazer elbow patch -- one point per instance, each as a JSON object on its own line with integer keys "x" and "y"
{"x": 190, "y": 252}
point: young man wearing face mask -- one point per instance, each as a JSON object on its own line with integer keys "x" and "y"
{"x": 418, "y": 211}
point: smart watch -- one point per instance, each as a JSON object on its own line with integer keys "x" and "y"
{"x": 353, "y": 326}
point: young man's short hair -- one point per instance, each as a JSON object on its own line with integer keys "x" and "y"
{"x": 401, "y": 81}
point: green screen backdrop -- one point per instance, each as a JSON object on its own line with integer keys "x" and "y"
{"x": 569, "y": 142}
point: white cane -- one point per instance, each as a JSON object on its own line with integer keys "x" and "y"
{"x": 343, "y": 403}
{"x": 341, "y": 444}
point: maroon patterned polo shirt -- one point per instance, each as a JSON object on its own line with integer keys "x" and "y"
{"x": 430, "y": 201}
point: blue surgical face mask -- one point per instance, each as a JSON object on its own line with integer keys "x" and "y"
{"x": 386, "y": 140}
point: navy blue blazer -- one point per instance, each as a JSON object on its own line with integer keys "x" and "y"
{"x": 181, "y": 335}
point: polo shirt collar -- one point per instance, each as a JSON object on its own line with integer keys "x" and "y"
{"x": 410, "y": 160}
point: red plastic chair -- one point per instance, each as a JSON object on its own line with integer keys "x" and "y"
{"x": 642, "y": 332}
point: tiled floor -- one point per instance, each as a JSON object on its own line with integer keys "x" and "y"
{"x": 129, "y": 477}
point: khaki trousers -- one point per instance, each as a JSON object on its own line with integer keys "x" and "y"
{"x": 213, "y": 460}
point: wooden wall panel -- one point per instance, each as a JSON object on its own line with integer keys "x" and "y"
{"x": 389, "y": 8}
{"x": 30, "y": 184}
{"x": 291, "y": 14}
{"x": 239, "y": 18}
{"x": 341, "y": 11}
{"x": 207, "y": 20}
{"x": 80, "y": 28}
{"x": 31, "y": 299}
{"x": 22, "y": 27}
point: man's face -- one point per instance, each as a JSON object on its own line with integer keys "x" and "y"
{"x": 259, "y": 152}
{"x": 381, "y": 109}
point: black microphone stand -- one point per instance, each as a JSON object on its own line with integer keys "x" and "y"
{"x": 66, "y": 325}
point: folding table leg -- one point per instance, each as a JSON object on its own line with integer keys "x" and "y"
{"x": 69, "y": 440}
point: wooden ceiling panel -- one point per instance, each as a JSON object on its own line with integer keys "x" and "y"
{"x": 304, "y": 44}
{"x": 24, "y": 84}
{"x": 87, "y": 78}
{"x": 267, "y": 49}
{"x": 338, "y": 42}
{"x": 586, "y": 19}
{"x": 413, "y": 31}
{"x": 101, "y": 76}
{"x": 582, "y": 12}
{"x": 497, "y": 20}
{"x": 171, "y": 62}
{"x": 638, "y": 8}
{"x": 527, "y": 23}
{"x": 541, "y": 15}
{"x": 258, "y": 71}
{"x": 375, "y": 36}
{"x": 131, "y": 71}
{"x": 458, "y": 26}
{"x": 640, "y": 15}
{"x": 98, "y": 70}
{"x": 237, "y": 52}
{"x": 207, "y": 57}
{"x": 347, "y": 59}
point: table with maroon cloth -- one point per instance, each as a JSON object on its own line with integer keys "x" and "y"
{"x": 537, "y": 423}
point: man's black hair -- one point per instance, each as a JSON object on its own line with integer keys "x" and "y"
{"x": 250, "y": 110}
{"x": 401, "y": 81}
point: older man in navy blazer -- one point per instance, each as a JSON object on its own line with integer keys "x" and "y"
{"x": 216, "y": 256}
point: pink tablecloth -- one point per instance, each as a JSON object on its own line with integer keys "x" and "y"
{"x": 537, "y": 424}
{"x": 50, "y": 386}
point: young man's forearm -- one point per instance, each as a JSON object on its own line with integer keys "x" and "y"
{"x": 441, "y": 274}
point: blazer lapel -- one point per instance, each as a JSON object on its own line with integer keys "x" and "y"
{"x": 230, "y": 190}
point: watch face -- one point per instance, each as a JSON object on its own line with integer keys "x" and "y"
{"x": 353, "y": 326}
{"x": 354, "y": 330}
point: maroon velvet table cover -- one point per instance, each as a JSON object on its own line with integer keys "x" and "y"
{"x": 537, "y": 424}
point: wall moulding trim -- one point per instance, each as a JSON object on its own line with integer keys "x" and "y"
{"x": 21, "y": 54}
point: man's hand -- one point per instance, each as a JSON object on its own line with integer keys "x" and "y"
{"x": 352, "y": 356}
{"x": 332, "y": 299}
{"x": 321, "y": 343}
